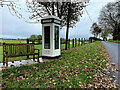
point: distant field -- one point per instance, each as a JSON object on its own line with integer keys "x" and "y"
{"x": 12, "y": 41}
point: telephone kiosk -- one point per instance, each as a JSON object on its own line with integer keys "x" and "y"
{"x": 51, "y": 37}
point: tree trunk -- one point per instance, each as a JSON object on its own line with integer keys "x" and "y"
{"x": 53, "y": 9}
{"x": 61, "y": 10}
{"x": 115, "y": 35}
{"x": 58, "y": 10}
{"x": 67, "y": 31}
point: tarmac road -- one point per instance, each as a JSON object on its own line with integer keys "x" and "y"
{"x": 114, "y": 52}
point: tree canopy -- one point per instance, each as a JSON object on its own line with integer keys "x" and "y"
{"x": 68, "y": 12}
{"x": 109, "y": 19}
{"x": 59, "y": 9}
{"x": 34, "y": 38}
{"x": 95, "y": 29}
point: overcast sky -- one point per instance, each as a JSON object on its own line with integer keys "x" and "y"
{"x": 13, "y": 27}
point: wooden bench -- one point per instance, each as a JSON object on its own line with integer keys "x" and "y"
{"x": 17, "y": 50}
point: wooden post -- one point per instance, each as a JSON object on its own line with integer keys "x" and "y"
{"x": 84, "y": 40}
{"x": 69, "y": 43}
{"x": 38, "y": 55}
{"x": 79, "y": 41}
{"x": 6, "y": 59}
{"x": 27, "y": 48}
{"x": 73, "y": 42}
{"x": 33, "y": 57}
{"x": 3, "y": 53}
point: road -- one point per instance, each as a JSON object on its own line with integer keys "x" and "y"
{"x": 114, "y": 52}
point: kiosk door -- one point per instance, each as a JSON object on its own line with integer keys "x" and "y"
{"x": 56, "y": 37}
{"x": 47, "y": 37}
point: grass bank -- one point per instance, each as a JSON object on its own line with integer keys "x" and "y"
{"x": 74, "y": 69}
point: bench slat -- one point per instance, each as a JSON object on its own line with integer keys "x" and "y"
{"x": 24, "y": 55}
{"x": 18, "y": 49}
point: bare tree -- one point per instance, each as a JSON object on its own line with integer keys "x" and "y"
{"x": 95, "y": 30}
{"x": 110, "y": 18}
{"x": 68, "y": 12}
{"x": 105, "y": 34}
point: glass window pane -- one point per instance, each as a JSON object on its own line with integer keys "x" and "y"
{"x": 47, "y": 37}
{"x": 56, "y": 37}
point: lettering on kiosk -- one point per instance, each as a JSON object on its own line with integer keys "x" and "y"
{"x": 45, "y": 21}
{"x": 57, "y": 21}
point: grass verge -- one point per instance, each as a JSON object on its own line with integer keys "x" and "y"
{"x": 115, "y": 41}
{"x": 74, "y": 69}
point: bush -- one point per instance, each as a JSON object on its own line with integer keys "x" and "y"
{"x": 94, "y": 38}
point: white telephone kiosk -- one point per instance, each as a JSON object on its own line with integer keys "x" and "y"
{"x": 51, "y": 37}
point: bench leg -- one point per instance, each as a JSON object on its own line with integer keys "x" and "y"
{"x": 33, "y": 57}
{"x": 6, "y": 59}
{"x": 38, "y": 55}
{"x": 3, "y": 60}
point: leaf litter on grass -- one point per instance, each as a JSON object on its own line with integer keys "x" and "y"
{"x": 80, "y": 67}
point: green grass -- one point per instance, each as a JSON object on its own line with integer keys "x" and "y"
{"x": 13, "y": 41}
{"x": 1, "y": 52}
{"x": 115, "y": 41}
{"x": 75, "y": 68}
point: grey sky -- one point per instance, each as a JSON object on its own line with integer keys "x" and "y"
{"x": 13, "y": 27}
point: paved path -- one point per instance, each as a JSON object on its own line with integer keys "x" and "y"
{"x": 19, "y": 63}
{"x": 114, "y": 52}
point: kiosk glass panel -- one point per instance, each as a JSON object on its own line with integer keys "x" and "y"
{"x": 47, "y": 37}
{"x": 56, "y": 37}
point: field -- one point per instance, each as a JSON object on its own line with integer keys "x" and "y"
{"x": 76, "y": 68}
{"x": 115, "y": 41}
{"x": 12, "y": 41}
{"x": 23, "y": 41}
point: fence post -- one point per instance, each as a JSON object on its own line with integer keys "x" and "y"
{"x": 38, "y": 55}
{"x": 6, "y": 59}
{"x": 79, "y": 41}
{"x": 84, "y": 40}
{"x": 3, "y": 53}
{"x": 69, "y": 43}
{"x": 34, "y": 58}
{"x": 73, "y": 42}
{"x": 27, "y": 48}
